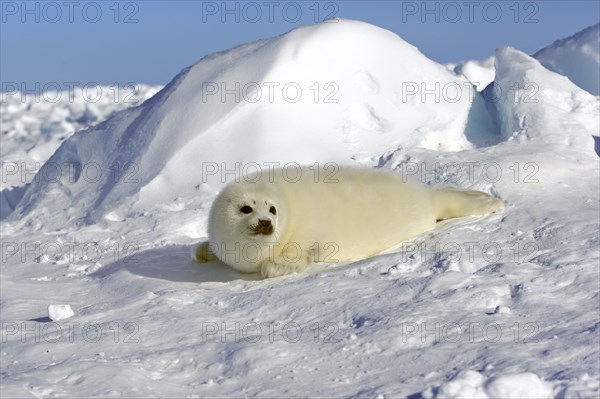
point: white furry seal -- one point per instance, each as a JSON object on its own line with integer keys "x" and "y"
{"x": 273, "y": 224}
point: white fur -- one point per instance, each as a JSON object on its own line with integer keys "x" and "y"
{"x": 332, "y": 215}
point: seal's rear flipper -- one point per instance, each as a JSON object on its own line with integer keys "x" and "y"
{"x": 449, "y": 203}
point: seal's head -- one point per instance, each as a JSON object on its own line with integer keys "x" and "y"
{"x": 245, "y": 217}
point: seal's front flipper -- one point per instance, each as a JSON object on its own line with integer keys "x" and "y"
{"x": 456, "y": 203}
{"x": 271, "y": 269}
{"x": 202, "y": 253}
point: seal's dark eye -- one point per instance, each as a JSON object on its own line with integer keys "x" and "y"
{"x": 273, "y": 210}
{"x": 246, "y": 209}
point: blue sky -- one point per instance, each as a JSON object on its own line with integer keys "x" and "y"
{"x": 109, "y": 42}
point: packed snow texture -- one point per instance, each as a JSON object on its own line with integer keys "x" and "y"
{"x": 502, "y": 305}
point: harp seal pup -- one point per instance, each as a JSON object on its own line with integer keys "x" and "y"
{"x": 281, "y": 222}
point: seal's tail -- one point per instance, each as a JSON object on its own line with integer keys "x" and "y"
{"x": 449, "y": 203}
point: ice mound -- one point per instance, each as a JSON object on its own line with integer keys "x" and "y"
{"x": 577, "y": 57}
{"x": 532, "y": 103}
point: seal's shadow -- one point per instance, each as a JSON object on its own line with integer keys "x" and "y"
{"x": 173, "y": 263}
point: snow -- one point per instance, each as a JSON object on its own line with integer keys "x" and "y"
{"x": 502, "y": 309}
{"x": 340, "y": 73}
{"x": 34, "y": 125}
{"x": 60, "y": 312}
{"x": 471, "y": 384}
{"x": 505, "y": 305}
{"x": 577, "y": 57}
{"x": 479, "y": 73}
{"x": 568, "y": 117}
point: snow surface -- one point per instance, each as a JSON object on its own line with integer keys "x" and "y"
{"x": 503, "y": 305}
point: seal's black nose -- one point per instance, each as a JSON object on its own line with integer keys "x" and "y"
{"x": 264, "y": 223}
